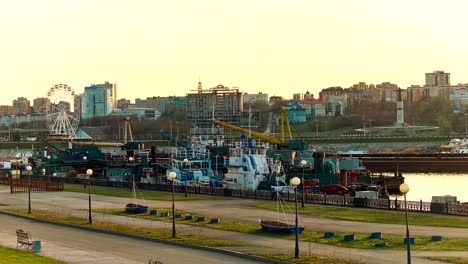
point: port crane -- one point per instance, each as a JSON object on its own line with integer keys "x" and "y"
{"x": 279, "y": 142}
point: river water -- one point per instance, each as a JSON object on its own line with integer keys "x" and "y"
{"x": 425, "y": 185}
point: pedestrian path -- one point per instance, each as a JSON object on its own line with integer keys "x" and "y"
{"x": 73, "y": 204}
{"x": 73, "y": 255}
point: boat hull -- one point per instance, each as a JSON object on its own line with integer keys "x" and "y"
{"x": 279, "y": 227}
{"x": 135, "y": 208}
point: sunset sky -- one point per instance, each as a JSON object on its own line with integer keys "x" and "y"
{"x": 161, "y": 48}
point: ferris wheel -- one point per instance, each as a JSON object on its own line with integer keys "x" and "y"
{"x": 63, "y": 117}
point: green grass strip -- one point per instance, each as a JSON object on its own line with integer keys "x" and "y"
{"x": 362, "y": 241}
{"x": 306, "y": 259}
{"x": 165, "y": 234}
{"x": 375, "y": 216}
{"x": 450, "y": 260}
{"x": 127, "y": 193}
{"x": 10, "y": 255}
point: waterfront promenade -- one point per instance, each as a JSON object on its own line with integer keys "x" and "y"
{"x": 73, "y": 203}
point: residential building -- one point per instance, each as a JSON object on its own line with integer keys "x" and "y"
{"x": 438, "y": 78}
{"x": 155, "y": 102}
{"x": 386, "y": 92}
{"x": 251, "y": 98}
{"x": 275, "y": 99}
{"x": 21, "y": 105}
{"x": 415, "y": 93}
{"x": 175, "y": 103}
{"x": 123, "y": 104}
{"x": 41, "y": 105}
{"x": 141, "y": 113}
{"x": 6, "y": 110}
{"x": 97, "y": 100}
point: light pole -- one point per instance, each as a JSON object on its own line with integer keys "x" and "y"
{"x": 86, "y": 167}
{"x": 303, "y": 164}
{"x": 172, "y": 176}
{"x": 48, "y": 162}
{"x": 29, "y": 168}
{"x": 133, "y": 171}
{"x": 404, "y": 189}
{"x": 89, "y": 172}
{"x": 18, "y": 171}
{"x": 186, "y": 162}
{"x": 295, "y": 182}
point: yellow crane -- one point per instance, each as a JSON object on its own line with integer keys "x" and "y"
{"x": 271, "y": 139}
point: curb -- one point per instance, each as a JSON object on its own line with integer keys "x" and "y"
{"x": 153, "y": 239}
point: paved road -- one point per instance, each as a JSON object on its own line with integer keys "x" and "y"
{"x": 71, "y": 203}
{"x": 81, "y": 246}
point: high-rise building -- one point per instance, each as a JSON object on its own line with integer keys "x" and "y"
{"x": 226, "y": 104}
{"x": 438, "y": 78}
{"x": 21, "y": 106}
{"x": 97, "y": 100}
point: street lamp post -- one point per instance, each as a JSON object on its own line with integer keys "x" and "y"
{"x": 86, "y": 167}
{"x": 29, "y": 168}
{"x": 303, "y": 164}
{"x": 404, "y": 189}
{"x": 186, "y": 162}
{"x": 295, "y": 182}
{"x": 89, "y": 172}
{"x": 172, "y": 176}
{"x": 18, "y": 171}
{"x": 48, "y": 162}
{"x": 131, "y": 159}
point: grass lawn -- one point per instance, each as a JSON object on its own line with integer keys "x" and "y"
{"x": 147, "y": 195}
{"x": 376, "y": 216}
{"x": 361, "y": 240}
{"x": 306, "y": 259}
{"x": 9, "y": 255}
{"x": 136, "y": 230}
{"x": 451, "y": 260}
{"x": 166, "y": 234}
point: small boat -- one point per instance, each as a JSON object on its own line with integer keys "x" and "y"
{"x": 277, "y": 226}
{"x": 132, "y": 208}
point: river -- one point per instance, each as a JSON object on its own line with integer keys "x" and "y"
{"x": 425, "y": 185}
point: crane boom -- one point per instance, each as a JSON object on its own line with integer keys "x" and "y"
{"x": 271, "y": 139}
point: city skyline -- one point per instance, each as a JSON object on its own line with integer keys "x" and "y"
{"x": 155, "y": 48}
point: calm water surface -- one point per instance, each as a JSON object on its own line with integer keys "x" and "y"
{"x": 425, "y": 185}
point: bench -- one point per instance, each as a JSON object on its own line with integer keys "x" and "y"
{"x": 23, "y": 239}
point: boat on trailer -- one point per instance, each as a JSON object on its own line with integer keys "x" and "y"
{"x": 134, "y": 207}
{"x": 278, "y": 226}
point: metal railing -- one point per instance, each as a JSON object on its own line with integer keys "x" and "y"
{"x": 310, "y": 198}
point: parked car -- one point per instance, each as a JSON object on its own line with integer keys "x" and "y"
{"x": 334, "y": 189}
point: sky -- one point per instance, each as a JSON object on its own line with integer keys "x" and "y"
{"x": 162, "y": 48}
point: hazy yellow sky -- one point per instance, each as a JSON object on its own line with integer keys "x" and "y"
{"x": 161, "y": 48}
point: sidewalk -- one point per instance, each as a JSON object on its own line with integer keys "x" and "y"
{"x": 66, "y": 253}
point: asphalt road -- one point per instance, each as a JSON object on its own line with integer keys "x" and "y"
{"x": 108, "y": 247}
